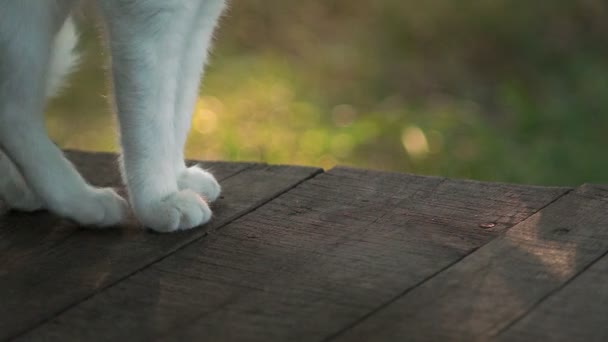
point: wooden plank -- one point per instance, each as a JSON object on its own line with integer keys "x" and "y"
{"x": 481, "y": 295}
{"x": 578, "y": 312}
{"x": 23, "y": 234}
{"x": 48, "y": 265}
{"x": 306, "y": 264}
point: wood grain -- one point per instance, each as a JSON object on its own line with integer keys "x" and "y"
{"x": 484, "y": 293}
{"x": 48, "y": 264}
{"x": 577, "y": 312}
{"x": 307, "y": 264}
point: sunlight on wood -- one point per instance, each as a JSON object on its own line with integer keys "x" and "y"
{"x": 558, "y": 257}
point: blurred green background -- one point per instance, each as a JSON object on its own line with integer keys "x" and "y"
{"x": 502, "y": 90}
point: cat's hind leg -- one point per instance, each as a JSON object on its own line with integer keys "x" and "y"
{"x": 14, "y": 191}
{"x": 194, "y": 55}
{"x": 27, "y": 30}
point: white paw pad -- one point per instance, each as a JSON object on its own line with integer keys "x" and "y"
{"x": 179, "y": 211}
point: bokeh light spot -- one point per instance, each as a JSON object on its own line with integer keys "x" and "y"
{"x": 414, "y": 141}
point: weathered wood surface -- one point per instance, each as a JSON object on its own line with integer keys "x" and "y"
{"x": 48, "y": 265}
{"x": 295, "y": 254}
{"x": 479, "y": 297}
{"x": 577, "y": 312}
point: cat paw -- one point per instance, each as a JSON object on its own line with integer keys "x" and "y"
{"x": 200, "y": 181}
{"x": 14, "y": 191}
{"x": 182, "y": 210}
{"x": 98, "y": 207}
{"x": 21, "y": 199}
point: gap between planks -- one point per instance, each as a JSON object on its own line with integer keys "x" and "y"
{"x": 180, "y": 245}
{"x": 286, "y": 242}
{"x": 434, "y": 275}
{"x": 576, "y": 220}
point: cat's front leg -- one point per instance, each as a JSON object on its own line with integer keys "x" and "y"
{"x": 146, "y": 38}
{"x": 194, "y": 52}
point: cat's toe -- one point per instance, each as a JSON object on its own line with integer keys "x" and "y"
{"x": 18, "y": 196}
{"x": 200, "y": 181}
{"x": 180, "y": 211}
{"x": 97, "y": 207}
{"x": 24, "y": 200}
{"x": 115, "y": 208}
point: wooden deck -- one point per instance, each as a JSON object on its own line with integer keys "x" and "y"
{"x": 298, "y": 254}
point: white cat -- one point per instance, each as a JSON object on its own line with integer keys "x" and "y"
{"x": 158, "y": 50}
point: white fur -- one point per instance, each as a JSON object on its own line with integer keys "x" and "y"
{"x": 158, "y": 50}
{"x": 64, "y": 57}
{"x": 13, "y": 189}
